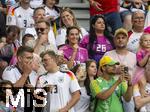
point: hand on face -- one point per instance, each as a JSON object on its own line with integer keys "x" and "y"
{"x": 27, "y": 68}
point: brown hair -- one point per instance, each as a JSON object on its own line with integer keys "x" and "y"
{"x": 23, "y": 49}
{"x": 50, "y": 53}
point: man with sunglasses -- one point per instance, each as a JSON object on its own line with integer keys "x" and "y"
{"x": 41, "y": 44}
{"x": 108, "y": 90}
{"x": 38, "y": 15}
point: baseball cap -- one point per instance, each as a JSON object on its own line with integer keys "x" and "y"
{"x": 121, "y": 31}
{"x": 107, "y": 60}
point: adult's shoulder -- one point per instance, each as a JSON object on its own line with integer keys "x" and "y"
{"x": 64, "y": 47}
{"x": 10, "y": 68}
{"x": 110, "y": 52}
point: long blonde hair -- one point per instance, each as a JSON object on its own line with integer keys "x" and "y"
{"x": 66, "y": 9}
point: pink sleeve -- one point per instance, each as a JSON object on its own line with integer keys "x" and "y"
{"x": 139, "y": 56}
{"x": 84, "y": 42}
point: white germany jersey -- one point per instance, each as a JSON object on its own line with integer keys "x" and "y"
{"x": 63, "y": 85}
{"x": 23, "y": 18}
{"x": 51, "y": 12}
{"x": 12, "y": 74}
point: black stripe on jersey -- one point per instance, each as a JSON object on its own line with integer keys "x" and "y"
{"x": 10, "y": 67}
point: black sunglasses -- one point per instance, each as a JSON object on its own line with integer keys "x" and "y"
{"x": 41, "y": 29}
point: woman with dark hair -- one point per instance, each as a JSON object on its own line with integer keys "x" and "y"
{"x": 99, "y": 39}
{"x": 71, "y": 50}
{"x": 85, "y": 75}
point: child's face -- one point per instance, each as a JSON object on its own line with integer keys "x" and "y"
{"x": 27, "y": 39}
{"x": 146, "y": 41}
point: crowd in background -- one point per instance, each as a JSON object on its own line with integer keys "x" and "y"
{"x": 105, "y": 68}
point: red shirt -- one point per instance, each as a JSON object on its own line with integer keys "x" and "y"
{"x": 107, "y": 6}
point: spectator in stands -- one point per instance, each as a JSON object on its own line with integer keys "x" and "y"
{"x": 26, "y": 38}
{"x": 9, "y": 86}
{"x": 125, "y": 58}
{"x": 12, "y": 43}
{"x": 38, "y": 15}
{"x": 85, "y": 74}
{"x": 72, "y": 52}
{"x": 110, "y": 12}
{"x": 143, "y": 61}
{"x": 21, "y": 15}
{"x": 137, "y": 5}
{"x": 104, "y": 87}
{"x": 41, "y": 44}
{"x": 21, "y": 74}
{"x": 99, "y": 39}
{"x": 51, "y": 10}
{"x": 142, "y": 103}
{"x": 59, "y": 99}
{"x": 67, "y": 19}
{"x": 138, "y": 19}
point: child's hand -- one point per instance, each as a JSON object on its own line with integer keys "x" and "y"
{"x": 143, "y": 93}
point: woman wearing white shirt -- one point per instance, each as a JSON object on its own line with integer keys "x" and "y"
{"x": 67, "y": 19}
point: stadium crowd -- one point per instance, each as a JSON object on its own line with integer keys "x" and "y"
{"x": 47, "y": 55}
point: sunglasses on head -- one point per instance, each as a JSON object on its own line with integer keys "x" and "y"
{"x": 41, "y": 29}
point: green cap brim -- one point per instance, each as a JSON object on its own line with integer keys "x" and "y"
{"x": 113, "y": 63}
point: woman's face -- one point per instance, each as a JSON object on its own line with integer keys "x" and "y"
{"x": 99, "y": 24}
{"x": 67, "y": 19}
{"x": 50, "y": 3}
{"x": 92, "y": 69}
{"x": 73, "y": 36}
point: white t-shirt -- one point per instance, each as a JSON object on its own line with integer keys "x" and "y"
{"x": 12, "y": 74}
{"x": 133, "y": 42}
{"x": 84, "y": 102}
{"x": 51, "y": 37}
{"x": 61, "y": 37}
{"x": 51, "y": 12}
{"x": 23, "y": 18}
{"x": 63, "y": 85}
{"x": 128, "y": 60}
{"x": 136, "y": 93}
{"x": 36, "y": 3}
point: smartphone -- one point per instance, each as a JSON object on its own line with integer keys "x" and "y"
{"x": 126, "y": 69}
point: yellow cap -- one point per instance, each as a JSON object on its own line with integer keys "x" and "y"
{"x": 107, "y": 60}
{"x": 121, "y": 31}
